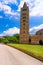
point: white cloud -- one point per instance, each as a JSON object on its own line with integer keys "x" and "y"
{"x": 4, "y": 7}
{"x": 13, "y": 15}
{"x": 11, "y": 31}
{"x": 37, "y": 10}
{"x": 10, "y": 2}
{"x": 21, "y": 4}
{"x": 34, "y": 29}
{"x": 8, "y": 11}
{"x": 15, "y": 30}
{"x": 35, "y": 7}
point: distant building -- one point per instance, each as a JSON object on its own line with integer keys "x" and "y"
{"x": 25, "y": 37}
{"x": 40, "y": 32}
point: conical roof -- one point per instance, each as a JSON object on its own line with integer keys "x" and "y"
{"x": 25, "y": 5}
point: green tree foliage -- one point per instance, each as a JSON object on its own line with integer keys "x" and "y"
{"x": 0, "y": 40}
{"x": 10, "y": 39}
{"x": 5, "y": 41}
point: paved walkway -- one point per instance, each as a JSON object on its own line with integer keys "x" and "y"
{"x": 11, "y": 56}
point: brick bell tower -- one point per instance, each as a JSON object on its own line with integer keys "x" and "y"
{"x": 24, "y": 24}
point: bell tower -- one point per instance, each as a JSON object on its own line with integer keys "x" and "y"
{"x": 24, "y": 24}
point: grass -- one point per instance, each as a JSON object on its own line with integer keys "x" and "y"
{"x": 33, "y": 50}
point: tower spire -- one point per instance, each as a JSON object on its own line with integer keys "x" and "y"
{"x": 24, "y": 4}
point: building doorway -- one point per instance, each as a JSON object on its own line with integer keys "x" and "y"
{"x": 29, "y": 40}
{"x": 40, "y": 42}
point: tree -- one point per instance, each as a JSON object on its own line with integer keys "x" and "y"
{"x": 5, "y": 41}
{"x": 0, "y": 40}
{"x": 10, "y": 39}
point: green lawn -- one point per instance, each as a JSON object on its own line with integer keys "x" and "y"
{"x": 36, "y": 50}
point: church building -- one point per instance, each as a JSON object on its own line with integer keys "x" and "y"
{"x": 25, "y": 36}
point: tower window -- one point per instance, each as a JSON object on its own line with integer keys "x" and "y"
{"x": 23, "y": 31}
{"x": 24, "y": 36}
{"x": 24, "y": 20}
{"x": 24, "y": 17}
{"x": 24, "y": 27}
{"x": 24, "y": 9}
{"x": 23, "y": 23}
{"x": 24, "y": 14}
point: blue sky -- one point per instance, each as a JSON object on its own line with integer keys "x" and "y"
{"x": 10, "y": 16}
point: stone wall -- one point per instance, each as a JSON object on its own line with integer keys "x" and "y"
{"x": 35, "y": 39}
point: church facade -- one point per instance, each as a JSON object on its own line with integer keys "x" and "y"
{"x": 25, "y": 37}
